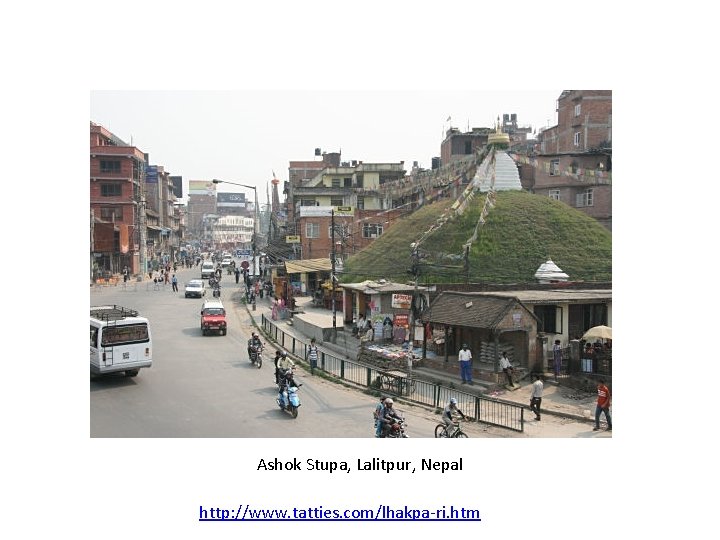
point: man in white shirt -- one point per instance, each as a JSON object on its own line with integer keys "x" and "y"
{"x": 536, "y": 396}
{"x": 506, "y": 366}
{"x": 465, "y": 358}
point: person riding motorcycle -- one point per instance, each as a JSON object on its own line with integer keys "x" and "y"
{"x": 447, "y": 416}
{"x": 284, "y": 364}
{"x": 388, "y": 416}
{"x": 254, "y": 344}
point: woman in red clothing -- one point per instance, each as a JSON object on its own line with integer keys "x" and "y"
{"x": 603, "y": 405}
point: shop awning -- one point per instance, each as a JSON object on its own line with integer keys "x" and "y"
{"x": 308, "y": 265}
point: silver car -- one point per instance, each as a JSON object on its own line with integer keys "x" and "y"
{"x": 195, "y": 287}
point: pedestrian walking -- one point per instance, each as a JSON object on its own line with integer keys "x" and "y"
{"x": 312, "y": 356}
{"x": 506, "y": 366}
{"x": 126, "y": 274}
{"x": 237, "y": 276}
{"x": 377, "y": 414}
{"x": 465, "y": 359}
{"x": 603, "y": 405}
{"x": 174, "y": 283}
{"x": 536, "y": 396}
{"x": 557, "y": 358}
{"x": 167, "y": 276}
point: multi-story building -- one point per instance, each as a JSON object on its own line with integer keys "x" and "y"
{"x": 573, "y": 159}
{"x": 133, "y": 206}
{"x": 163, "y": 218}
{"x": 117, "y": 203}
{"x": 459, "y": 146}
{"x": 302, "y": 171}
{"x": 354, "y": 191}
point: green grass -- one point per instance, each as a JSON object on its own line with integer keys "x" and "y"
{"x": 521, "y": 232}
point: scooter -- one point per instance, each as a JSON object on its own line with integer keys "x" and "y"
{"x": 256, "y": 357}
{"x": 288, "y": 399}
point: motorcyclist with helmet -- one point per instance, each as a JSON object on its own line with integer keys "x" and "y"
{"x": 447, "y": 416}
{"x": 388, "y": 416}
{"x": 254, "y": 344}
{"x": 284, "y": 364}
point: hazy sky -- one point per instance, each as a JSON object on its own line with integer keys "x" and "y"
{"x": 243, "y": 136}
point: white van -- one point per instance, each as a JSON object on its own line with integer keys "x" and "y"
{"x": 120, "y": 340}
{"x": 207, "y": 270}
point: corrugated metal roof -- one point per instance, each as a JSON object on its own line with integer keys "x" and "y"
{"x": 377, "y": 287}
{"x": 308, "y": 265}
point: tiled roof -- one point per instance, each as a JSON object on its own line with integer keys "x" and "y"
{"x": 467, "y": 309}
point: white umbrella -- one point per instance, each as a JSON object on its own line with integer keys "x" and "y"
{"x": 598, "y": 332}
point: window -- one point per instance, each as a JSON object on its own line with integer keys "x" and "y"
{"x": 307, "y": 202}
{"x": 372, "y": 230}
{"x": 359, "y": 181}
{"x": 111, "y": 190}
{"x": 577, "y": 138}
{"x": 577, "y": 109}
{"x": 584, "y": 198}
{"x": 468, "y": 147}
{"x": 361, "y": 203}
{"x": 111, "y": 213}
{"x": 117, "y": 335}
{"x": 548, "y": 318}
{"x": 342, "y": 230}
{"x": 336, "y": 201}
{"x": 312, "y": 230}
{"x": 554, "y": 167}
{"x": 108, "y": 166}
{"x": 347, "y": 182}
{"x": 93, "y": 336}
{"x": 554, "y": 194}
{"x": 336, "y": 182}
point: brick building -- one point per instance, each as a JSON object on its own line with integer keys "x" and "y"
{"x": 572, "y": 162}
{"x": 117, "y": 187}
{"x": 357, "y": 188}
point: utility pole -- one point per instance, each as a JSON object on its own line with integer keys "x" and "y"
{"x": 466, "y": 264}
{"x": 416, "y": 274}
{"x": 332, "y": 273}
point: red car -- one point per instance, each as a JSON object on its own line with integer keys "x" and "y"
{"x": 212, "y": 317}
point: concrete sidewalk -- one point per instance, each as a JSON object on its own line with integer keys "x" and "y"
{"x": 557, "y": 400}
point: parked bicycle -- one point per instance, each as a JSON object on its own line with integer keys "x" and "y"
{"x": 441, "y": 431}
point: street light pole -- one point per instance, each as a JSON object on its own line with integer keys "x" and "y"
{"x": 332, "y": 274}
{"x": 255, "y": 219}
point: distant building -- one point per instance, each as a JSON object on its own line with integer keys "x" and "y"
{"x": 572, "y": 160}
{"x": 354, "y": 190}
{"x": 458, "y": 146}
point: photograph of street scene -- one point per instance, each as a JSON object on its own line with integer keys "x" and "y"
{"x": 351, "y": 264}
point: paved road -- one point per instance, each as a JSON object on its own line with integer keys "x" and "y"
{"x": 204, "y": 386}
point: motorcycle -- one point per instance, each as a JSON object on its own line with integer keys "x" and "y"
{"x": 396, "y": 430}
{"x": 256, "y": 356}
{"x": 216, "y": 291}
{"x": 288, "y": 399}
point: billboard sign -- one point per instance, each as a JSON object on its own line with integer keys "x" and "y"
{"x": 151, "y": 174}
{"x": 401, "y": 301}
{"x": 201, "y": 187}
{"x": 177, "y": 186}
{"x": 232, "y": 200}
{"x": 292, "y": 239}
{"x": 326, "y": 211}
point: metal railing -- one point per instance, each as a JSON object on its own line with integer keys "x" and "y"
{"x": 482, "y": 409}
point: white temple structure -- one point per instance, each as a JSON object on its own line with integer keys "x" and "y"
{"x": 549, "y": 272}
